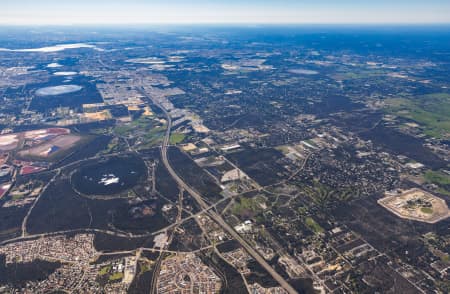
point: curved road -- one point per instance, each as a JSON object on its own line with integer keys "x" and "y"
{"x": 216, "y": 217}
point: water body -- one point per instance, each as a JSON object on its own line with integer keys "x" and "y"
{"x": 304, "y": 72}
{"x": 55, "y": 48}
{"x": 64, "y": 91}
{"x": 54, "y": 65}
{"x": 65, "y": 73}
{"x": 58, "y": 90}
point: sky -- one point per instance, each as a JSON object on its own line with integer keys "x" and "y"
{"x": 73, "y": 12}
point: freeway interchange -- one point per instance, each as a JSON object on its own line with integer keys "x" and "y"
{"x": 216, "y": 217}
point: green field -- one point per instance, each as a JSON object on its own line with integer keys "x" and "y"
{"x": 154, "y": 136}
{"x": 440, "y": 179}
{"x": 143, "y": 123}
{"x": 104, "y": 270}
{"x": 147, "y": 130}
{"x": 360, "y": 73}
{"x": 313, "y": 225}
{"x": 17, "y": 196}
{"x": 437, "y": 178}
{"x": 427, "y": 210}
{"x": 176, "y": 138}
{"x": 431, "y": 112}
{"x": 116, "y": 277}
{"x": 283, "y": 148}
{"x": 246, "y": 207}
{"x": 144, "y": 267}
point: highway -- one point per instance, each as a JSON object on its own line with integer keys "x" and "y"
{"x": 216, "y": 217}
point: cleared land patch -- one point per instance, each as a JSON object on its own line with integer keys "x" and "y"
{"x": 50, "y": 148}
{"x": 416, "y": 204}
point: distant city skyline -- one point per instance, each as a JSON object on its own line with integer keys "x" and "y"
{"x": 53, "y": 12}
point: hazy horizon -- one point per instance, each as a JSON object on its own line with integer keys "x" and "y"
{"x": 140, "y": 12}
